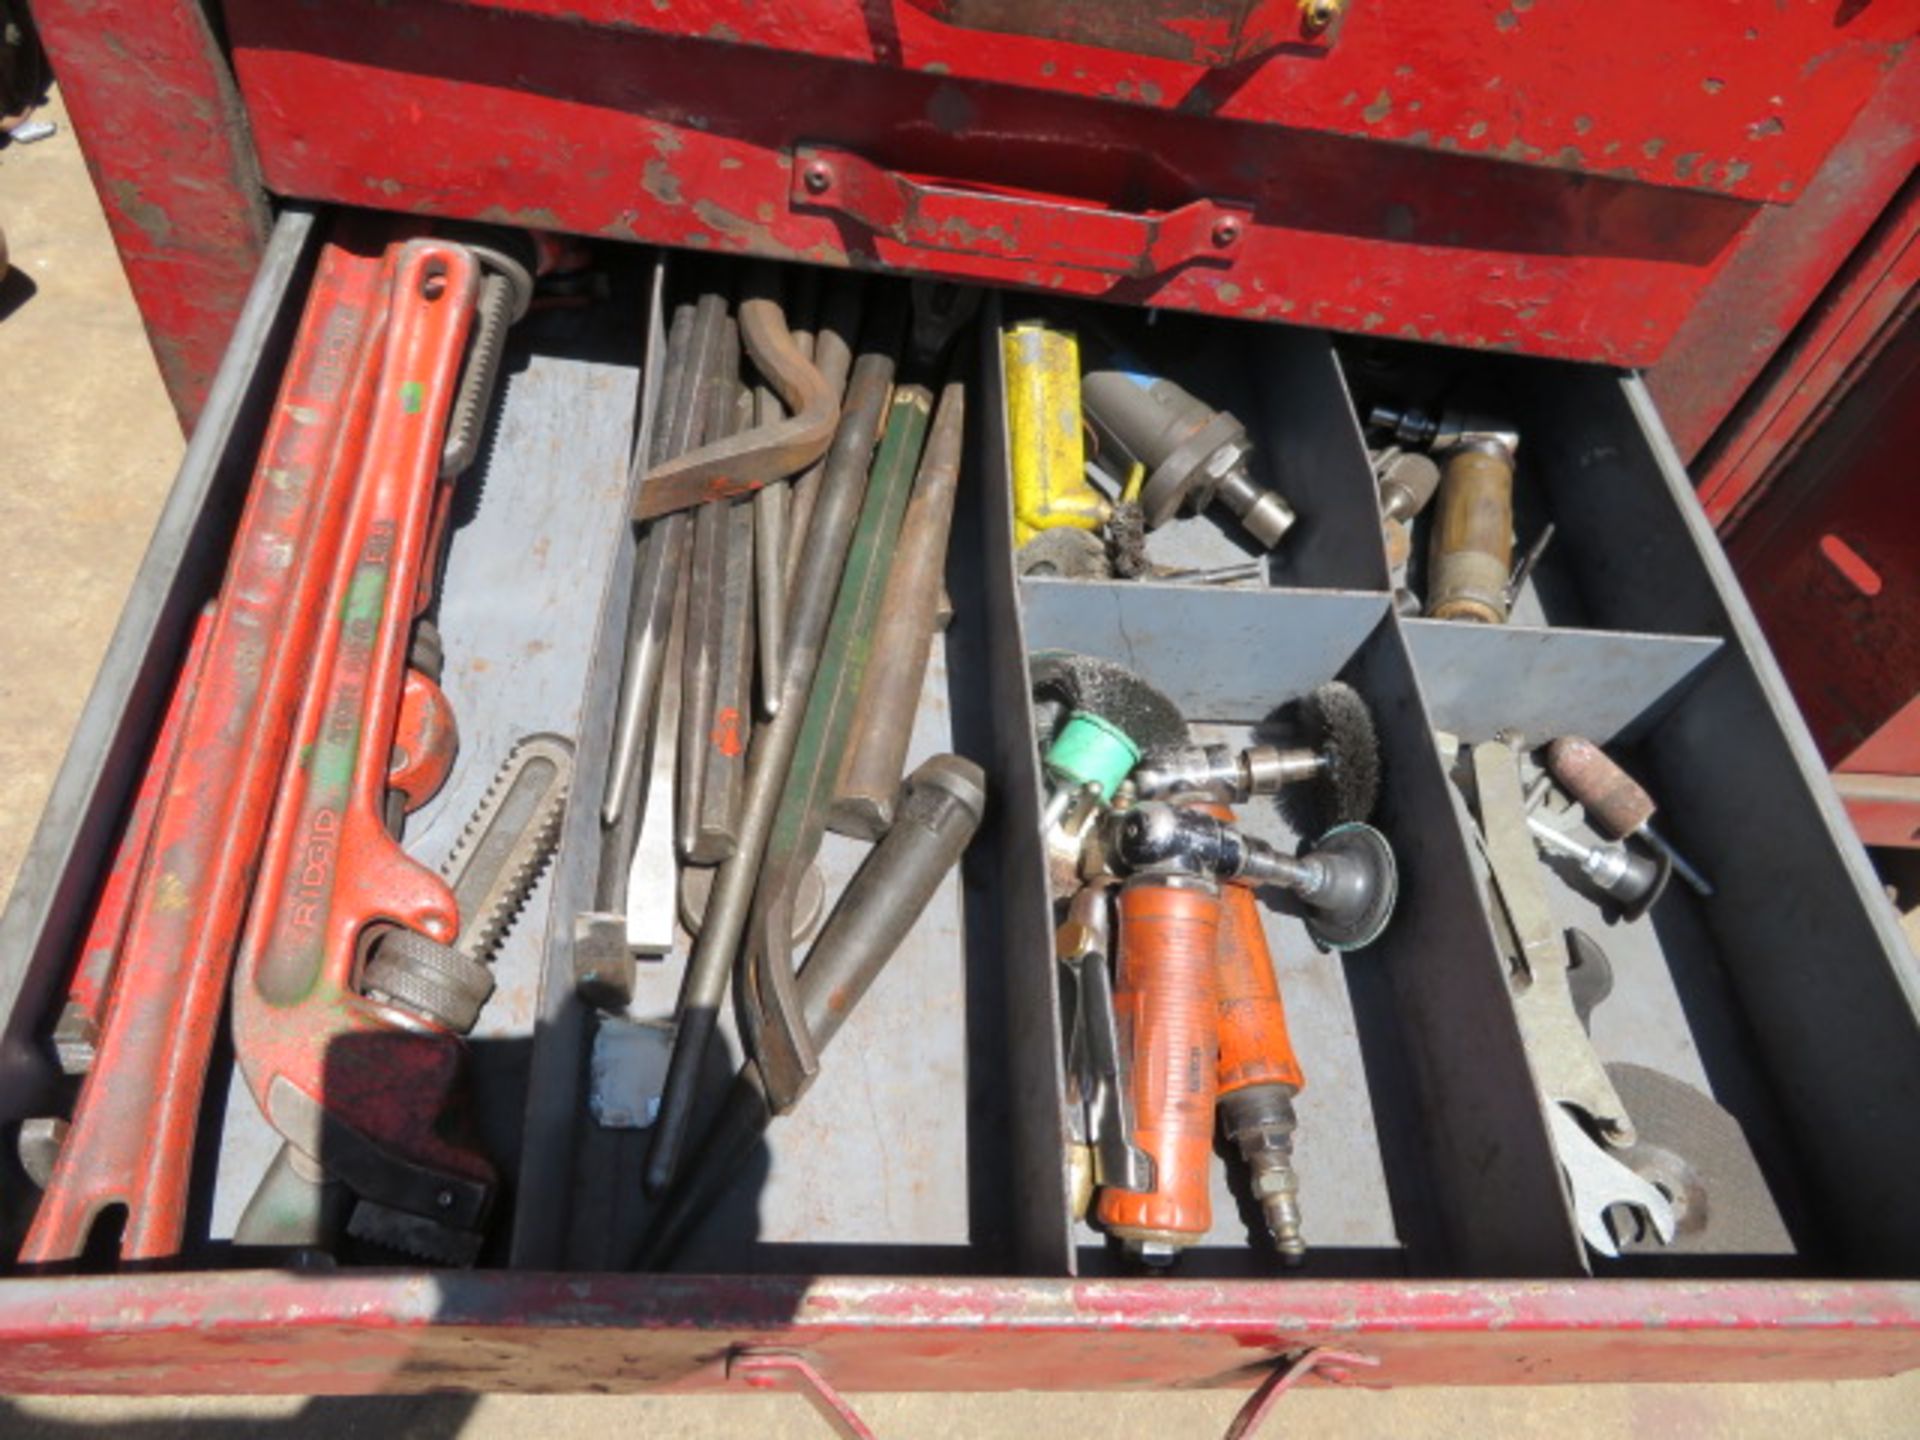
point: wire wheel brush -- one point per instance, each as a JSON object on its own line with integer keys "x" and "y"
{"x": 1331, "y": 771}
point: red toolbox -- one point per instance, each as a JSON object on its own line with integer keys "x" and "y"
{"x": 1326, "y": 168}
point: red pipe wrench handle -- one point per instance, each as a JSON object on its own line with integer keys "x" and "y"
{"x": 134, "y": 1125}
{"x": 371, "y": 1092}
{"x": 76, "y": 1034}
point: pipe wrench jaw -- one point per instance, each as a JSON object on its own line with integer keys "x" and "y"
{"x": 368, "y": 1094}
{"x": 426, "y": 739}
{"x": 389, "y": 1121}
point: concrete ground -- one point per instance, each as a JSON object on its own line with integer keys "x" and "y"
{"x": 89, "y": 446}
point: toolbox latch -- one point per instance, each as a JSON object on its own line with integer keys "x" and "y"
{"x": 790, "y": 1370}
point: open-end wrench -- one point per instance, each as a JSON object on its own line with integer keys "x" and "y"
{"x": 1599, "y": 1181}
{"x": 1565, "y": 1065}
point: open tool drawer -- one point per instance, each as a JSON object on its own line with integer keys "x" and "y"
{"x": 910, "y": 1226}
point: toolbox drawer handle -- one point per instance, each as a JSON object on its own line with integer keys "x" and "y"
{"x": 999, "y": 226}
{"x": 765, "y": 1369}
{"x": 1219, "y": 33}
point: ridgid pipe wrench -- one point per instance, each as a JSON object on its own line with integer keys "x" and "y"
{"x": 367, "y": 1090}
{"x": 131, "y": 1140}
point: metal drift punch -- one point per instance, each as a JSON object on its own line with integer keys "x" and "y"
{"x": 603, "y": 949}
{"x": 795, "y": 759}
{"x": 764, "y": 987}
{"x": 940, "y": 810}
{"x": 810, "y": 607}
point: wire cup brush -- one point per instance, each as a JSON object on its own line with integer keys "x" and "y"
{"x": 1336, "y": 764}
{"x": 1096, "y": 719}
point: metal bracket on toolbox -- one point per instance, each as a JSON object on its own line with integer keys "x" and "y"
{"x": 790, "y": 1370}
{"x": 1224, "y": 34}
{"x": 1332, "y": 1366}
{"x": 1043, "y": 230}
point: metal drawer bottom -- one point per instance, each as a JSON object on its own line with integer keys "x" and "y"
{"x": 912, "y": 1233}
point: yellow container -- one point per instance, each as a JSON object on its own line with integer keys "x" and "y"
{"x": 1050, "y": 486}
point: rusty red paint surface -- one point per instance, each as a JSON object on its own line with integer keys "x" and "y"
{"x": 1745, "y": 99}
{"x": 609, "y": 127}
{"x": 154, "y": 107}
{"x": 479, "y": 113}
{"x": 1829, "y": 552}
{"x": 1719, "y": 363}
{"x": 1194, "y": 32}
{"x": 1811, "y": 376}
{"x": 89, "y": 986}
{"x": 359, "y": 1333}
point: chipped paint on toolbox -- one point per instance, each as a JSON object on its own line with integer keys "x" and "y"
{"x": 168, "y": 149}
{"x": 1787, "y": 78}
{"x": 237, "y": 1333}
{"x": 602, "y": 116}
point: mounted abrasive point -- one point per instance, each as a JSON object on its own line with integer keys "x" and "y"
{"x": 1340, "y": 760}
